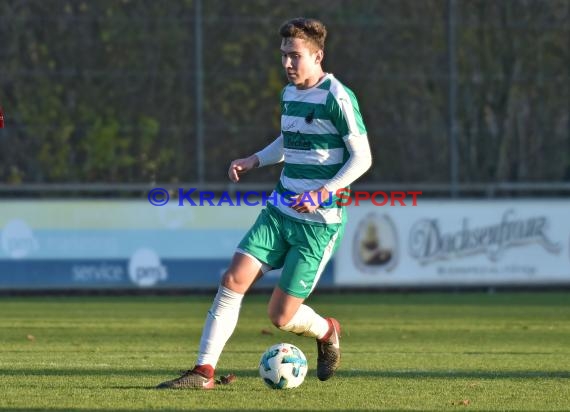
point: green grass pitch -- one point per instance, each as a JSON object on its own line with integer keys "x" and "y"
{"x": 424, "y": 352}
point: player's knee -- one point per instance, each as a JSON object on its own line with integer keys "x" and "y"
{"x": 278, "y": 319}
{"x": 229, "y": 279}
{"x": 241, "y": 274}
{"x": 232, "y": 281}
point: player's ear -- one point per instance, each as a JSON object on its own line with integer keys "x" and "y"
{"x": 319, "y": 56}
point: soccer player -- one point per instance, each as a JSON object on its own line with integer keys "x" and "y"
{"x": 324, "y": 147}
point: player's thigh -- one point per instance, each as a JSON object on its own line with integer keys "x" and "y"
{"x": 264, "y": 240}
{"x": 242, "y": 273}
{"x": 307, "y": 258}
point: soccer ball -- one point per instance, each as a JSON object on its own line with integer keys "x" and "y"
{"x": 283, "y": 366}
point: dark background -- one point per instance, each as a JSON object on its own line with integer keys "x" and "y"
{"x": 119, "y": 92}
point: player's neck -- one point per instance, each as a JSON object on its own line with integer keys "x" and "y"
{"x": 312, "y": 81}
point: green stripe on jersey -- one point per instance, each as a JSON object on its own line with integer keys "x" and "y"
{"x": 305, "y": 141}
{"x": 326, "y": 85}
{"x": 308, "y": 111}
{"x": 299, "y": 171}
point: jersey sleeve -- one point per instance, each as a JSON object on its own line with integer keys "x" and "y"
{"x": 272, "y": 153}
{"x": 346, "y": 117}
{"x": 345, "y": 114}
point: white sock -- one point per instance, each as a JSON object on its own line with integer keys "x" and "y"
{"x": 221, "y": 321}
{"x": 307, "y": 322}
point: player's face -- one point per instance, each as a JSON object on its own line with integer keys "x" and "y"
{"x": 302, "y": 66}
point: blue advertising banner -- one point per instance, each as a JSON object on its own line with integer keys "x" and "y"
{"x": 93, "y": 244}
{"x": 144, "y": 270}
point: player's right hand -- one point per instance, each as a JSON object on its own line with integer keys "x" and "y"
{"x": 240, "y": 166}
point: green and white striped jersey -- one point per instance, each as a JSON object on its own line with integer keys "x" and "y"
{"x": 315, "y": 123}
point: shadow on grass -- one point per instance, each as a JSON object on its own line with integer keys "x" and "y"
{"x": 400, "y": 374}
{"x": 344, "y": 375}
{"x": 415, "y": 374}
{"x": 293, "y": 408}
{"x": 164, "y": 410}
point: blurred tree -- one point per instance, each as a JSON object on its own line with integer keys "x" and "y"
{"x": 514, "y": 90}
{"x": 106, "y": 91}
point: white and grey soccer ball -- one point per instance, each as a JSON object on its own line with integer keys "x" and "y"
{"x": 283, "y": 366}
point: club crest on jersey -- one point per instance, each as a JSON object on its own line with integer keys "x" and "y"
{"x": 310, "y": 117}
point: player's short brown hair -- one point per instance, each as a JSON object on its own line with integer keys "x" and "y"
{"x": 311, "y": 30}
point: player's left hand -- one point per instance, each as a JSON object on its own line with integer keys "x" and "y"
{"x": 308, "y": 202}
